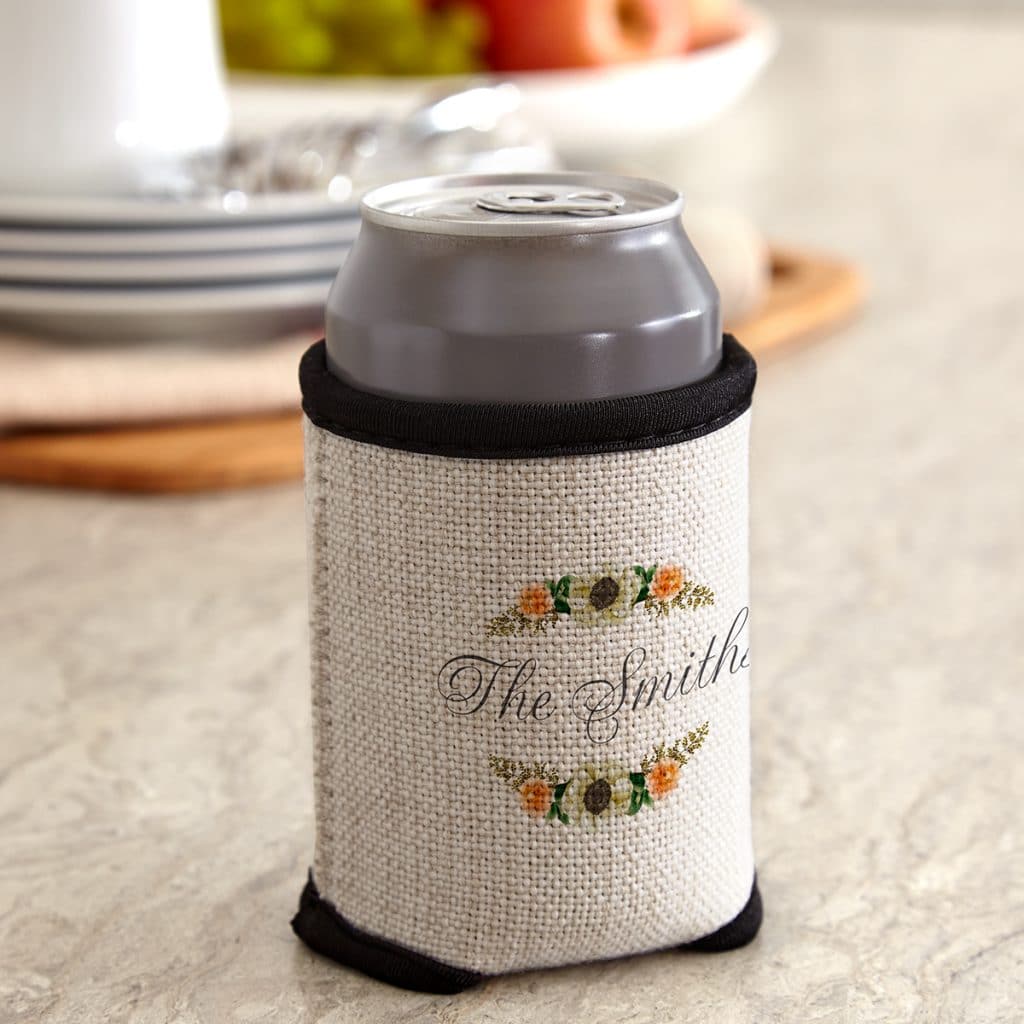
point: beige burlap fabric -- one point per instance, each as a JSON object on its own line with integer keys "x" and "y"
{"x": 531, "y": 697}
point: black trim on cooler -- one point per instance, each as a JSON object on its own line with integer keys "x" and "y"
{"x": 327, "y": 932}
{"x": 529, "y": 430}
{"x": 740, "y": 931}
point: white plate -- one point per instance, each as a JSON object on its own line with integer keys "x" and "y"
{"x": 87, "y": 211}
{"x": 177, "y": 239}
{"x": 214, "y": 314}
{"x": 588, "y": 115}
{"x": 200, "y": 268}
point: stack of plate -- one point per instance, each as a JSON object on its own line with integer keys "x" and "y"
{"x": 132, "y": 269}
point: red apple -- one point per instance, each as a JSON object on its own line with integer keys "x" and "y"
{"x": 536, "y": 34}
{"x": 713, "y": 21}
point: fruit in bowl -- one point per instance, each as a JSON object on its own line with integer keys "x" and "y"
{"x": 431, "y": 37}
{"x": 530, "y": 35}
{"x": 714, "y": 21}
{"x": 355, "y": 37}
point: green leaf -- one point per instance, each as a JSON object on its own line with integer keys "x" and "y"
{"x": 550, "y": 584}
{"x": 640, "y": 571}
{"x": 638, "y": 779}
{"x": 563, "y": 586}
{"x": 648, "y": 799}
{"x": 563, "y": 817}
{"x": 562, "y": 606}
{"x": 642, "y": 594}
{"x": 552, "y": 811}
{"x": 560, "y": 789}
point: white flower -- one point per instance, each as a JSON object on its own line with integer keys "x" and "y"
{"x": 595, "y": 792}
{"x": 604, "y": 597}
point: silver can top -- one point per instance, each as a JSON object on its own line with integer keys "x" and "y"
{"x": 521, "y": 205}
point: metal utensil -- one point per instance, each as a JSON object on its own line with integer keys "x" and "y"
{"x": 342, "y": 157}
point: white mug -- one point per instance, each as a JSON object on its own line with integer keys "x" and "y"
{"x": 106, "y": 97}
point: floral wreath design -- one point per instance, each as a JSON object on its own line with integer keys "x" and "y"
{"x": 600, "y": 599}
{"x": 593, "y": 792}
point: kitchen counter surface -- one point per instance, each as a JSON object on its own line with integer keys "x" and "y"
{"x": 154, "y": 745}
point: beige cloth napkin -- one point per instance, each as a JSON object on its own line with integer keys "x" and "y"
{"x": 63, "y": 383}
{"x": 44, "y": 382}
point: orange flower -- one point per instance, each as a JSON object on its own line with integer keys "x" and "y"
{"x": 668, "y": 581}
{"x": 535, "y": 796}
{"x": 663, "y": 778}
{"x": 535, "y": 601}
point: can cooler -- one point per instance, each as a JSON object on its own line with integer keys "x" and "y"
{"x": 530, "y": 676}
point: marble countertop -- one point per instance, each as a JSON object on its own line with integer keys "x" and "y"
{"x": 154, "y": 744}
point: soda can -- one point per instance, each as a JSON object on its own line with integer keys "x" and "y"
{"x": 523, "y": 288}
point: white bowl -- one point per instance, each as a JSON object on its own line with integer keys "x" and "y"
{"x": 583, "y": 113}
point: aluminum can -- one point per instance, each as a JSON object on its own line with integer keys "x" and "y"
{"x": 522, "y": 288}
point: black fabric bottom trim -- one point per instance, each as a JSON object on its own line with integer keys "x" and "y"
{"x": 325, "y": 931}
{"x": 740, "y": 931}
{"x": 525, "y": 430}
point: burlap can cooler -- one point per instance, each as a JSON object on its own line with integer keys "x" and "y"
{"x": 530, "y": 675}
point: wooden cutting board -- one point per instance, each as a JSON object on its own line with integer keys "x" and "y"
{"x": 810, "y": 295}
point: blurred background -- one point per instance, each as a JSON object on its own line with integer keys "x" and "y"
{"x": 169, "y": 230}
{"x": 179, "y": 187}
{"x": 170, "y": 227}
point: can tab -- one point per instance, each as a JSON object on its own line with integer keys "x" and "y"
{"x": 534, "y": 201}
